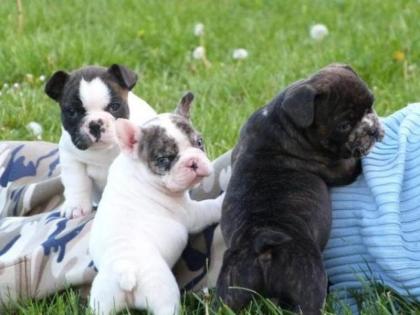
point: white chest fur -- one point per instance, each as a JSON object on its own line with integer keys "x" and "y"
{"x": 143, "y": 218}
{"x": 138, "y": 234}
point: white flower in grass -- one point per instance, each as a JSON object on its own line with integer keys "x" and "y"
{"x": 16, "y": 85}
{"x": 199, "y": 29}
{"x": 240, "y": 53}
{"x": 29, "y": 77}
{"x": 199, "y": 52}
{"x": 411, "y": 68}
{"x": 5, "y": 85}
{"x": 35, "y": 129}
{"x": 42, "y": 78}
{"x": 318, "y": 32}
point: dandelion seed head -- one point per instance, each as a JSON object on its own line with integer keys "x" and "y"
{"x": 35, "y": 129}
{"x": 240, "y": 53}
{"x": 318, "y": 32}
{"x": 199, "y": 52}
{"x": 199, "y": 29}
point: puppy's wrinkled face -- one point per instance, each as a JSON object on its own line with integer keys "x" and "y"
{"x": 336, "y": 110}
{"x": 345, "y": 118}
{"x": 90, "y": 100}
{"x": 174, "y": 152}
{"x": 171, "y": 149}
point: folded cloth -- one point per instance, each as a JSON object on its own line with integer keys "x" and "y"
{"x": 375, "y": 233}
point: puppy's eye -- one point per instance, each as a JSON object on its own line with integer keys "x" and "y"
{"x": 343, "y": 127}
{"x": 70, "y": 112}
{"x": 200, "y": 143}
{"x": 114, "y": 107}
{"x": 368, "y": 110}
{"x": 164, "y": 162}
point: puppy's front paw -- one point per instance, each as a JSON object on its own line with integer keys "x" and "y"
{"x": 128, "y": 281}
{"x": 126, "y": 275}
{"x": 75, "y": 210}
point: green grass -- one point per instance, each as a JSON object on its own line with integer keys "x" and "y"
{"x": 156, "y": 39}
{"x": 373, "y": 300}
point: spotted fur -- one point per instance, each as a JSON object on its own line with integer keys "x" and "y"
{"x": 159, "y": 149}
{"x": 185, "y": 126}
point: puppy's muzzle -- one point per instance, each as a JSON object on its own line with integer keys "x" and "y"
{"x": 82, "y": 141}
{"x": 366, "y": 133}
{"x": 96, "y": 128}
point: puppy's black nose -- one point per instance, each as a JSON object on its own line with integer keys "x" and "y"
{"x": 376, "y": 133}
{"x": 95, "y": 128}
{"x": 372, "y": 132}
{"x": 194, "y": 166}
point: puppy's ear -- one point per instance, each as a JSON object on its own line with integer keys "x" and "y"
{"x": 342, "y": 65}
{"x": 55, "y": 85}
{"x": 124, "y": 77}
{"x": 128, "y": 136}
{"x": 299, "y": 105}
{"x": 184, "y": 105}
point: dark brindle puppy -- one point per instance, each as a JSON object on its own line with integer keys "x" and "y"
{"x": 276, "y": 214}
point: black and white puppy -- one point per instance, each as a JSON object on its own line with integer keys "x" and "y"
{"x": 91, "y": 99}
{"x": 276, "y": 215}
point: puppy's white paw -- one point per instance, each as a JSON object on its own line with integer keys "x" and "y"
{"x": 128, "y": 281}
{"x": 126, "y": 275}
{"x": 75, "y": 210}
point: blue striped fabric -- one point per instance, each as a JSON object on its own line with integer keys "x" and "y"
{"x": 376, "y": 220}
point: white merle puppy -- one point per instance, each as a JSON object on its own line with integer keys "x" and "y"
{"x": 145, "y": 213}
{"x": 91, "y": 99}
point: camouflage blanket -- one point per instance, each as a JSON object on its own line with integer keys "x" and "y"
{"x": 42, "y": 253}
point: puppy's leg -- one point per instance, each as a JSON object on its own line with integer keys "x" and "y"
{"x": 77, "y": 188}
{"x": 203, "y": 213}
{"x": 311, "y": 298}
{"x": 239, "y": 279}
{"x": 106, "y": 296}
{"x": 157, "y": 288}
{"x": 298, "y": 279}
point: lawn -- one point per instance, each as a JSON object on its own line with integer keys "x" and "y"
{"x": 380, "y": 39}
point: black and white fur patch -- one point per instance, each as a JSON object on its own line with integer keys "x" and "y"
{"x": 163, "y": 139}
{"x": 85, "y": 97}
